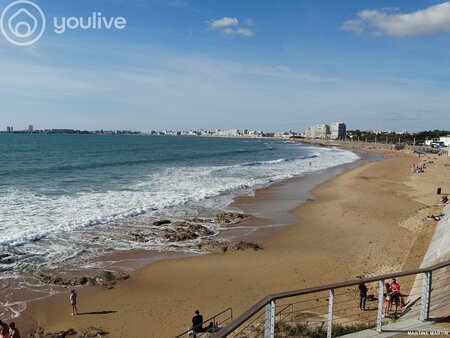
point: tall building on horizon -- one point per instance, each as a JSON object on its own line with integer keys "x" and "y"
{"x": 318, "y": 131}
{"x": 30, "y": 128}
{"x": 338, "y": 131}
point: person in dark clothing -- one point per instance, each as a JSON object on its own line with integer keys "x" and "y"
{"x": 362, "y": 296}
{"x": 197, "y": 322}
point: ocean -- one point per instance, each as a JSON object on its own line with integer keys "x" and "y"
{"x": 67, "y": 199}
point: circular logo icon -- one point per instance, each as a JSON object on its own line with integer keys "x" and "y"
{"x": 22, "y": 22}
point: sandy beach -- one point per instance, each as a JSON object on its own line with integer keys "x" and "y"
{"x": 366, "y": 221}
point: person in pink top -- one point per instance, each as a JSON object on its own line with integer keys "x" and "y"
{"x": 395, "y": 293}
{"x": 4, "y": 330}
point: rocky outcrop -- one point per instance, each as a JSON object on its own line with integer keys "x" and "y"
{"x": 231, "y": 217}
{"x": 221, "y": 246}
{"x": 241, "y": 246}
{"x": 91, "y": 332}
{"x": 138, "y": 237}
{"x": 104, "y": 278}
{"x": 40, "y": 333}
{"x": 185, "y": 231}
{"x": 181, "y": 234}
{"x": 161, "y": 222}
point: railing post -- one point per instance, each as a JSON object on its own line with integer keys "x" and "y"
{"x": 426, "y": 296}
{"x": 330, "y": 314}
{"x": 269, "y": 323}
{"x": 380, "y": 304}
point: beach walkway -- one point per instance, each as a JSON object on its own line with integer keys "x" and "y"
{"x": 438, "y": 251}
{"x": 411, "y": 326}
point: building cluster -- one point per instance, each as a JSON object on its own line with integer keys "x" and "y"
{"x": 222, "y": 133}
{"x": 335, "y": 131}
{"x": 216, "y": 133}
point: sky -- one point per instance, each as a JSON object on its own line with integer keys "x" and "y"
{"x": 206, "y": 64}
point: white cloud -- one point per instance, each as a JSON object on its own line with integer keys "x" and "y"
{"x": 231, "y": 26}
{"x": 249, "y": 22}
{"x": 427, "y": 21}
{"x": 240, "y": 31}
{"x": 223, "y": 22}
{"x": 355, "y": 26}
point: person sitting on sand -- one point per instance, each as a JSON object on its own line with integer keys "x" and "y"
{"x": 13, "y": 332}
{"x": 435, "y": 217}
{"x": 444, "y": 199}
{"x": 73, "y": 302}
{"x": 4, "y": 330}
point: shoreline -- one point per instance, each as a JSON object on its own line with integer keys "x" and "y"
{"x": 259, "y": 225}
{"x": 272, "y": 245}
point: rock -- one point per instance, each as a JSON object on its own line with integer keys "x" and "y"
{"x": 200, "y": 220}
{"x": 161, "y": 222}
{"x": 104, "y": 278}
{"x": 180, "y": 234}
{"x": 241, "y": 245}
{"x": 107, "y": 278}
{"x": 93, "y": 332}
{"x": 138, "y": 237}
{"x": 40, "y": 333}
{"x": 197, "y": 228}
{"x": 231, "y": 217}
{"x": 213, "y": 246}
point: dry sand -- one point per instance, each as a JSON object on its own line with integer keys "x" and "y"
{"x": 368, "y": 220}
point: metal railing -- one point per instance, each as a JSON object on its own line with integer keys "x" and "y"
{"x": 217, "y": 320}
{"x": 333, "y": 310}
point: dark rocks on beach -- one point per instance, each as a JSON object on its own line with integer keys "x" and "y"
{"x": 179, "y": 235}
{"x": 91, "y": 332}
{"x": 185, "y": 231}
{"x": 161, "y": 222}
{"x": 231, "y": 217}
{"x": 221, "y": 246}
{"x": 199, "y": 229}
{"x": 40, "y": 333}
{"x": 241, "y": 246}
{"x": 199, "y": 220}
{"x": 104, "y": 278}
{"x": 138, "y": 237}
{"x": 212, "y": 246}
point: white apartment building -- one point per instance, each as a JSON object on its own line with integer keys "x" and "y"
{"x": 318, "y": 131}
{"x": 338, "y": 131}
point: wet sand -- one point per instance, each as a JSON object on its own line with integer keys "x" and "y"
{"x": 368, "y": 220}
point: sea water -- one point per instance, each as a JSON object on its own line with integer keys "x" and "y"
{"x": 66, "y": 196}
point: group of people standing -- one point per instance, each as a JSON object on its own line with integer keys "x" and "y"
{"x": 9, "y": 331}
{"x": 392, "y": 296}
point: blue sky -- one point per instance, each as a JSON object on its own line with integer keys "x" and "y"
{"x": 204, "y": 64}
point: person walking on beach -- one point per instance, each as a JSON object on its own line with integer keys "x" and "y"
{"x": 13, "y": 332}
{"x": 362, "y": 296}
{"x": 73, "y": 302}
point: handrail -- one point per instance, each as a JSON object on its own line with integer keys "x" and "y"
{"x": 223, "y": 333}
{"x": 208, "y": 320}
